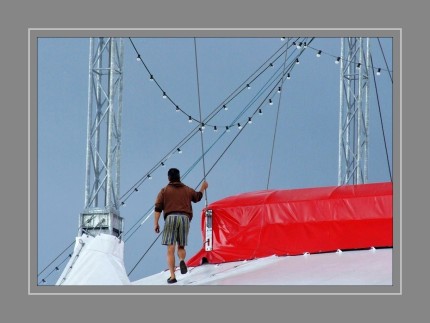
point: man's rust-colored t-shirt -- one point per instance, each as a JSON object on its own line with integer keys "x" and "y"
{"x": 176, "y": 197}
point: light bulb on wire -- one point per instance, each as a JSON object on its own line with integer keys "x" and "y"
{"x": 270, "y": 102}
{"x": 225, "y": 107}
{"x": 164, "y": 95}
{"x": 337, "y": 60}
{"x": 190, "y": 119}
{"x": 260, "y": 112}
{"x": 138, "y": 58}
{"x": 319, "y": 54}
{"x": 378, "y": 72}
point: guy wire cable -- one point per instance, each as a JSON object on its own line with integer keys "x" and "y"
{"x": 200, "y": 115}
{"x": 276, "y": 122}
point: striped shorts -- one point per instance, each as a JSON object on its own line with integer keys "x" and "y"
{"x": 176, "y": 227}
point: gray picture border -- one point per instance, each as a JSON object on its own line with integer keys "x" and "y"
{"x": 17, "y": 305}
{"x": 395, "y": 289}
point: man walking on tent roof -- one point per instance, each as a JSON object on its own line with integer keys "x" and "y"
{"x": 174, "y": 200}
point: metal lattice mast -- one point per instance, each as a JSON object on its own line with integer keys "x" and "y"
{"x": 102, "y": 183}
{"x": 353, "y": 112}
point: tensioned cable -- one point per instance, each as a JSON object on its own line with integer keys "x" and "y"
{"x": 385, "y": 60}
{"x": 276, "y": 128}
{"x": 380, "y": 118}
{"x": 73, "y": 262}
{"x": 160, "y": 163}
{"x": 200, "y": 117}
{"x": 56, "y": 258}
{"x": 152, "y": 244}
{"x": 57, "y": 268}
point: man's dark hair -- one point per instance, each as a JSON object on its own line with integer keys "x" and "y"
{"x": 174, "y": 175}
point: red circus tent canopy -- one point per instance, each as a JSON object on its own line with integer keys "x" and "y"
{"x": 292, "y": 222}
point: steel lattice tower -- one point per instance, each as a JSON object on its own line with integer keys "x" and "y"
{"x": 353, "y": 113}
{"x": 102, "y": 182}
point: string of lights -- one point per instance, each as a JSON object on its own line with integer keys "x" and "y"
{"x": 320, "y": 52}
{"x": 224, "y": 105}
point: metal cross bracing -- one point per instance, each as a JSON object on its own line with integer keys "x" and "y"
{"x": 353, "y": 112}
{"x": 102, "y": 182}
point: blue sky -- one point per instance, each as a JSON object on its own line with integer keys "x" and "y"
{"x": 305, "y": 150}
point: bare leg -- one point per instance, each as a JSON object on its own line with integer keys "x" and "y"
{"x": 171, "y": 259}
{"x": 182, "y": 253}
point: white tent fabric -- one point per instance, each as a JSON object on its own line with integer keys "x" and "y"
{"x": 359, "y": 267}
{"x": 96, "y": 261}
{"x": 99, "y": 261}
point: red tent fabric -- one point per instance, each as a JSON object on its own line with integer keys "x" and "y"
{"x": 291, "y": 222}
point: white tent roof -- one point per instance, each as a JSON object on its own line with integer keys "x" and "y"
{"x": 96, "y": 261}
{"x": 363, "y": 267}
{"x": 99, "y": 261}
